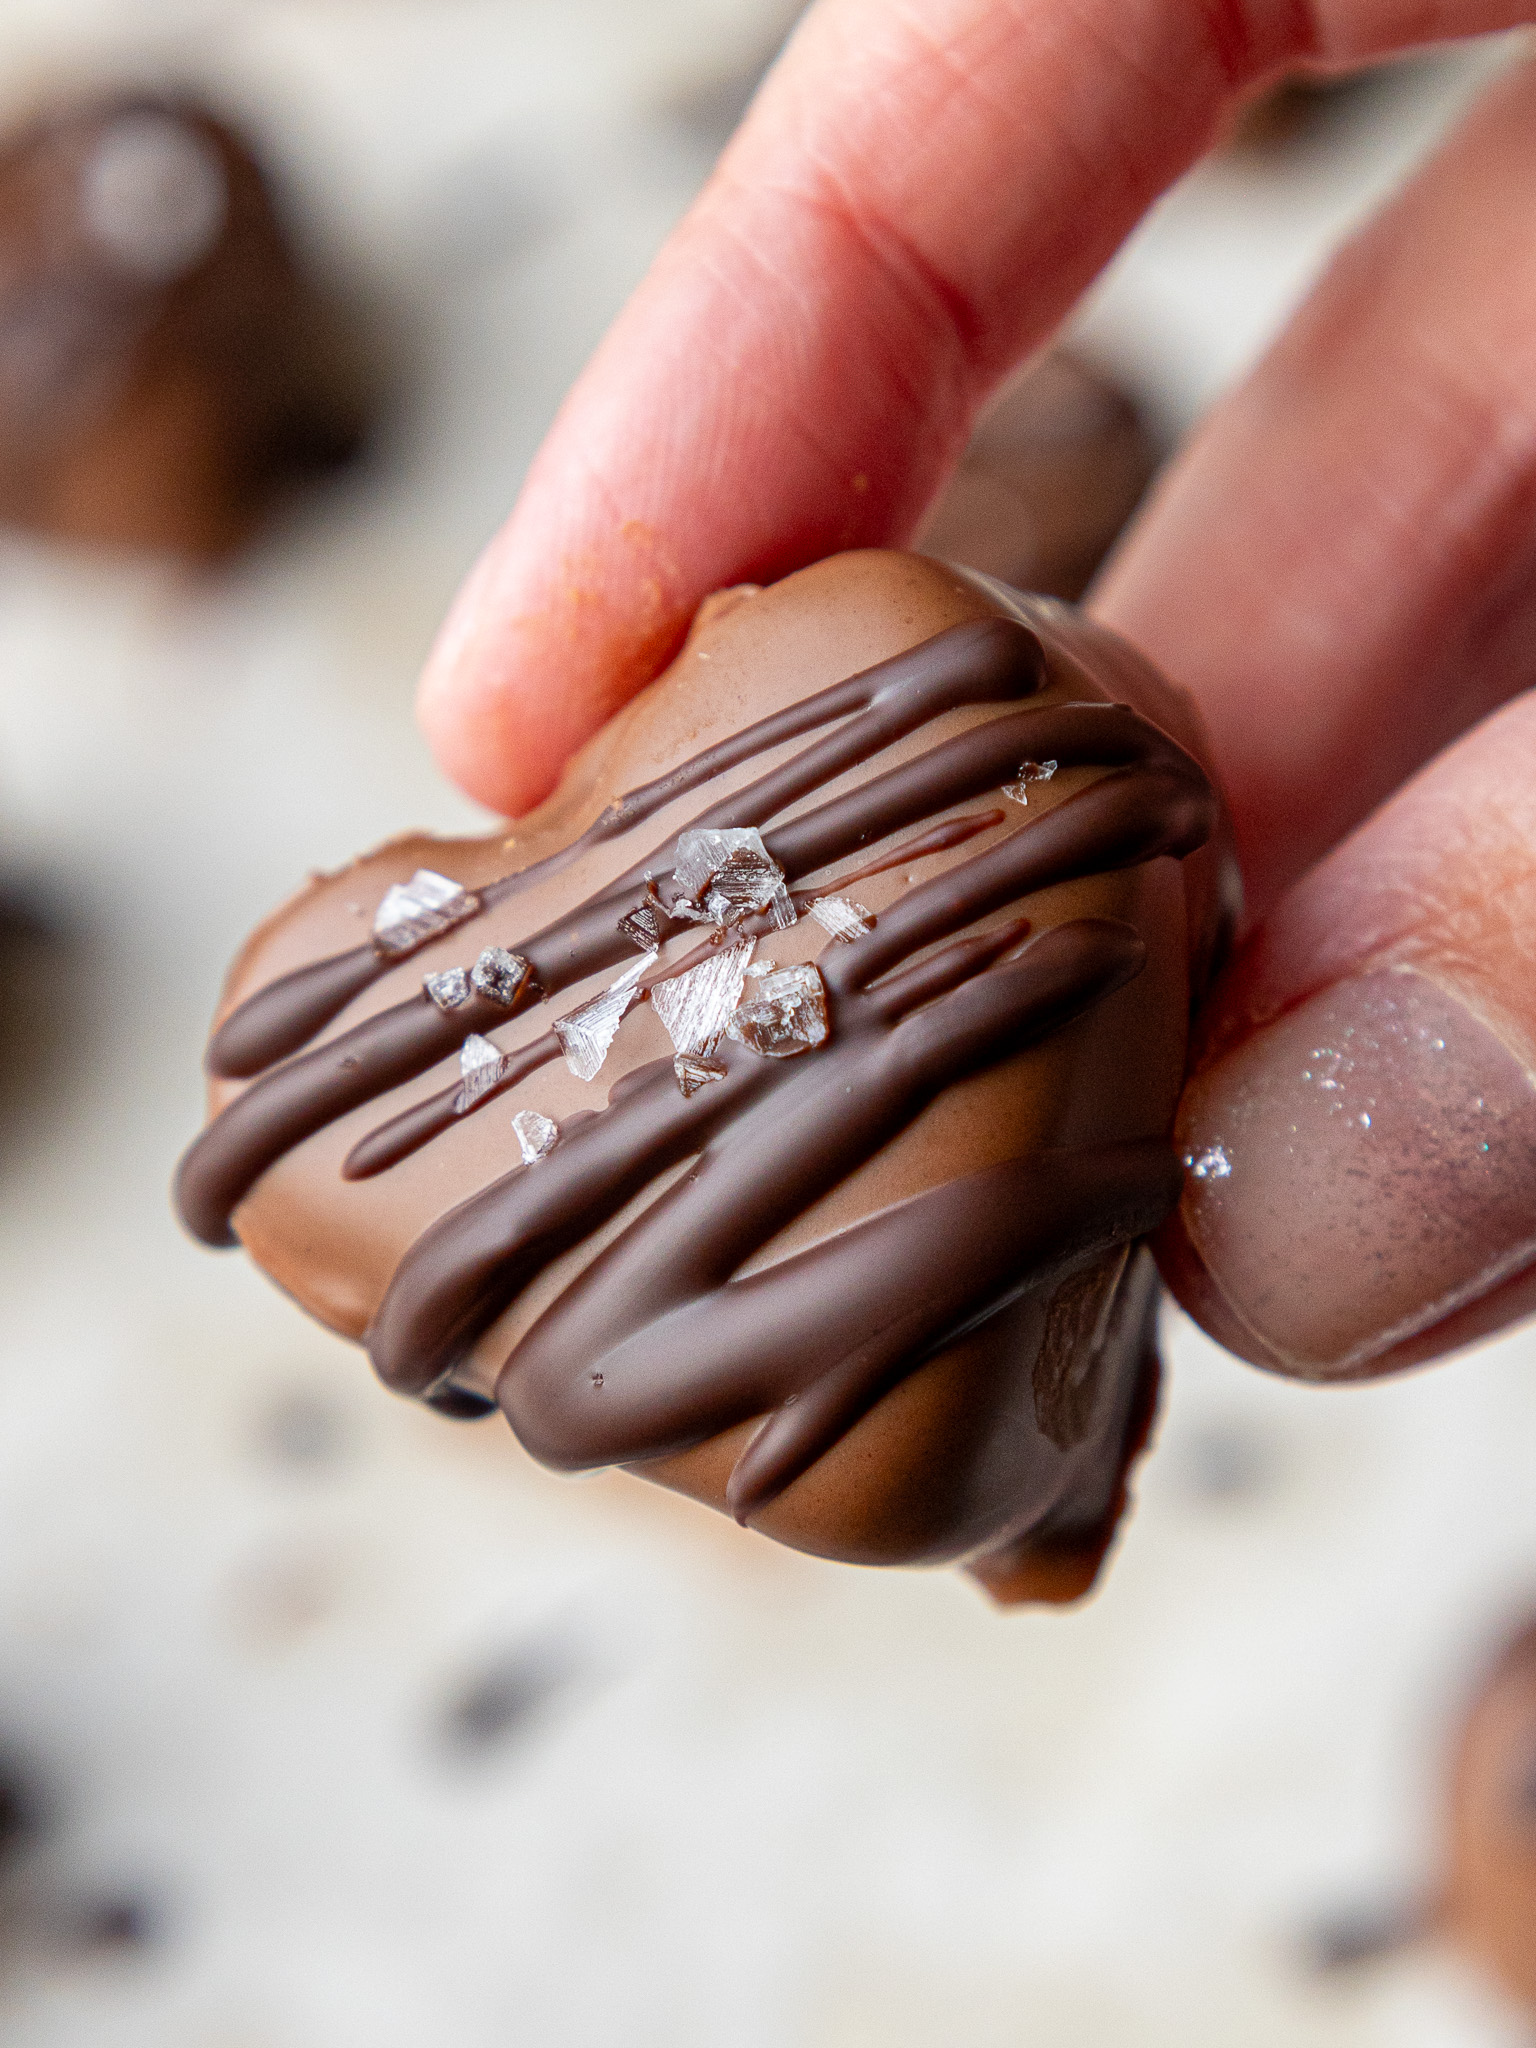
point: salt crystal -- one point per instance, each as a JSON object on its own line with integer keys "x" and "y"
{"x": 694, "y": 1071}
{"x": 724, "y": 874}
{"x": 642, "y": 927}
{"x": 702, "y": 852}
{"x": 536, "y": 1135}
{"x": 787, "y": 1015}
{"x": 1211, "y": 1164}
{"x": 843, "y": 919}
{"x": 413, "y": 912}
{"x": 481, "y": 1066}
{"x": 500, "y": 976}
{"x": 449, "y": 990}
{"x": 696, "y": 1007}
{"x": 745, "y": 884}
{"x": 683, "y": 908}
{"x": 586, "y": 1034}
{"x": 1029, "y": 771}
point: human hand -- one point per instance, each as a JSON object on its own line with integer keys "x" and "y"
{"x": 1340, "y": 568}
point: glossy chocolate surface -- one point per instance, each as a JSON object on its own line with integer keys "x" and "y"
{"x": 876, "y": 1298}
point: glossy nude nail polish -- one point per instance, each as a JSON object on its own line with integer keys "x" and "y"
{"x": 1358, "y": 1172}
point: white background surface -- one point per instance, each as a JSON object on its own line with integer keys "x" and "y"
{"x": 757, "y": 1801}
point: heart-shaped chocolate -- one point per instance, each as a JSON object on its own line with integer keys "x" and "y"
{"x": 775, "y": 1112}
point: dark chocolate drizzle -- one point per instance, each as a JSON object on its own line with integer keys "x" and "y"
{"x": 413, "y": 1128}
{"x": 680, "y": 1349}
{"x": 407, "y": 1133}
{"x": 988, "y": 662}
{"x": 991, "y": 661}
{"x": 306, "y": 1000}
{"x": 656, "y": 1345}
{"x": 953, "y": 832}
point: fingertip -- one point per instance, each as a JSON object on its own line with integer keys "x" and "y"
{"x": 519, "y": 678}
{"x": 1359, "y": 1135}
{"x": 457, "y": 701}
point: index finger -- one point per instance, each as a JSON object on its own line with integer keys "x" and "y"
{"x": 917, "y": 196}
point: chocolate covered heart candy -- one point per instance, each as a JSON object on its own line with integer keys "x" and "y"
{"x": 777, "y": 1110}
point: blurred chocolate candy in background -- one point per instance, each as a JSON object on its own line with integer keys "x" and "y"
{"x": 1054, "y": 469}
{"x": 1488, "y": 1901}
{"x": 1307, "y": 109}
{"x": 167, "y": 363}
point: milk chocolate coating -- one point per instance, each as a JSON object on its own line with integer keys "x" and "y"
{"x": 166, "y": 363}
{"x": 1488, "y": 1903}
{"x": 880, "y": 1300}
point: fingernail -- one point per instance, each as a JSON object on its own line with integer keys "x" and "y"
{"x": 1360, "y": 1169}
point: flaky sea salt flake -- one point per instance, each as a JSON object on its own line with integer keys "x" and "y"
{"x": 449, "y": 990}
{"x": 844, "y": 919}
{"x": 500, "y": 976}
{"x": 482, "y": 1066}
{"x": 1211, "y": 1164}
{"x": 413, "y": 912}
{"x": 696, "y": 1007}
{"x": 694, "y": 1071}
{"x": 725, "y": 874}
{"x": 1029, "y": 771}
{"x": 746, "y": 885}
{"x": 586, "y": 1034}
{"x": 642, "y": 927}
{"x": 787, "y": 1013}
{"x": 537, "y": 1135}
{"x": 704, "y": 850}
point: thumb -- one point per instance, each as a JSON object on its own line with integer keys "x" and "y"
{"x": 1360, "y": 1132}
